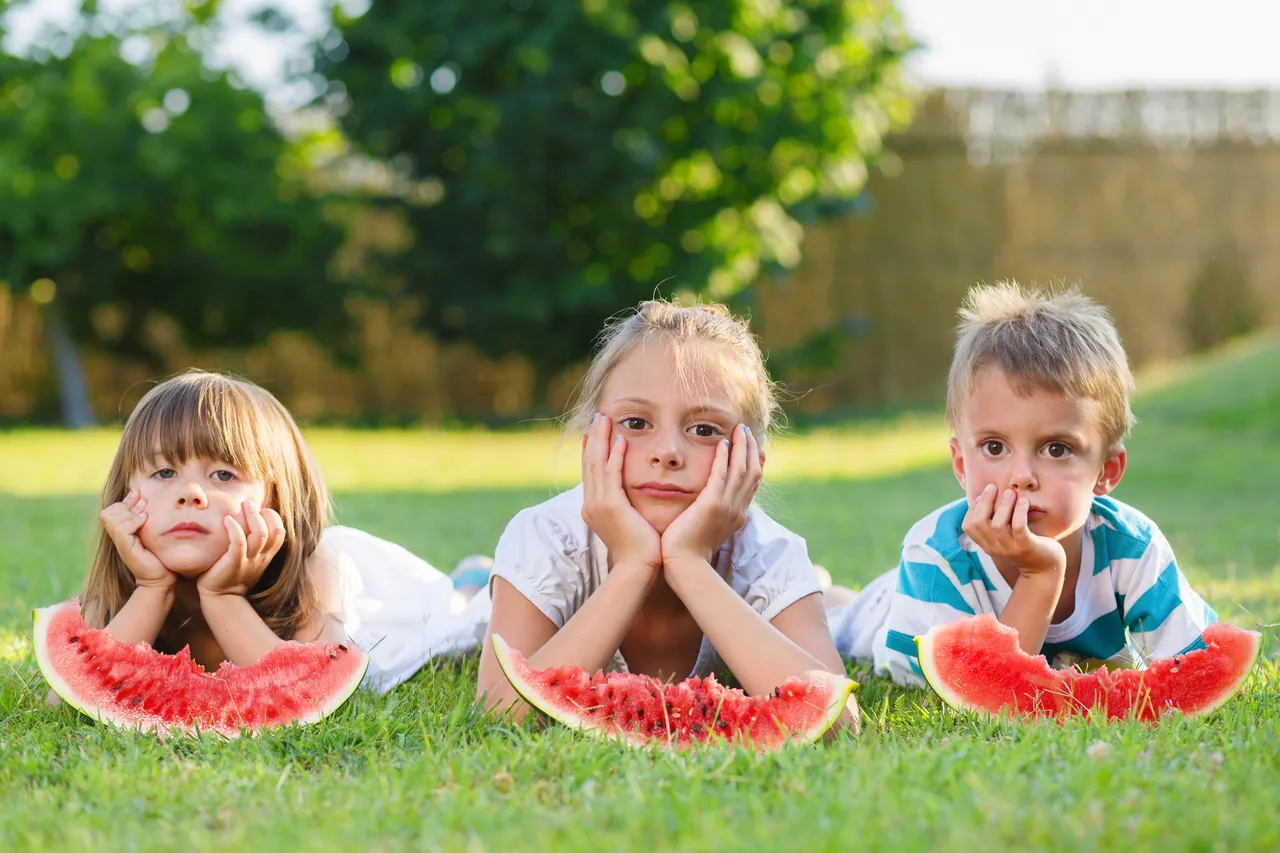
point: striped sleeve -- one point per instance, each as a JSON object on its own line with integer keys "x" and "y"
{"x": 928, "y": 593}
{"x": 1163, "y": 615}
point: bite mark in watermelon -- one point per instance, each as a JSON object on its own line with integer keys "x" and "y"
{"x": 642, "y": 711}
{"x": 975, "y": 664}
{"x": 132, "y": 685}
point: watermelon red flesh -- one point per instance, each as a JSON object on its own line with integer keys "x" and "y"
{"x": 134, "y": 686}
{"x": 641, "y": 710}
{"x": 975, "y": 664}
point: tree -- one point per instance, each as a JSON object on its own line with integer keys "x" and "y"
{"x": 154, "y": 185}
{"x": 567, "y": 159}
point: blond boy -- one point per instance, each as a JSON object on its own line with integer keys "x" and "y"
{"x": 1038, "y": 403}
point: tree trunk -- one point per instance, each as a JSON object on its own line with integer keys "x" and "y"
{"x": 77, "y": 411}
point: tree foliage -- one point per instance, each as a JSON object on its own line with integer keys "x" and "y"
{"x": 153, "y": 184}
{"x": 565, "y": 160}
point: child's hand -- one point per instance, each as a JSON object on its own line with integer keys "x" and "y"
{"x": 122, "y": 521}
{"x": 720, "y": 509}
{"x": 246, "y": 559}
{"x": 605, "y": 507}
{"x": 1001, "y": 530}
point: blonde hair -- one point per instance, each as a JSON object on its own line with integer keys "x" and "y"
{"x": 1059, "y": 342}
{"x": 735, "y": 357}
{"x": 199, "y": 414}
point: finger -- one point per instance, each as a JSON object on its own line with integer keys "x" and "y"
{"x": 737, "y": 467}
{"x": 257, "y": 528}
{"x": 120, "y": 522}
{"x": 595, "y": 447}
{"x": 717, "y": 482}
{"x": 755, "y": 464}
{"x": 236, "y": 543}
{"x": 275, "y": 533}
{"x": 612, "y": 474}
{"x": 131, "y": 498}
{"x": 1004, "y": 509}
{"x": 139, "y": 506}
{"x": 979, "y": 511}
{"x": 1019, "y": 521}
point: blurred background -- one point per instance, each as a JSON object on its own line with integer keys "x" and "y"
{"x": 421, "y": 213}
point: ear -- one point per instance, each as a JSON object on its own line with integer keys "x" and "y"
{"x": 957, "y": 461}
{"x": 1112, "y": 471}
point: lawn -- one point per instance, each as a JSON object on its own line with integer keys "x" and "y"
{"x": 424, "y": 769}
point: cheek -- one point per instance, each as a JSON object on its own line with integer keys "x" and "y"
{"x": 702, "y": 458}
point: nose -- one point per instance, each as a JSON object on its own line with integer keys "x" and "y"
{"x": 665, "y": 452}
{"x": 1023, "y": 474}
{"x": 191, "y": 494}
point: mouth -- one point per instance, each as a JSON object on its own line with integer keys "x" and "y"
{"x": 662, "y": 491}
{"x": 186, "y": 530}
{"x": 1035, "y": 512}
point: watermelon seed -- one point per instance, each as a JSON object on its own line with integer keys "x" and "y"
{"x": 697, "y": 729}
{"x": 721, "y": 724}
{"x": 332, "y": 656}
{"x": 640, "y": 713}
{"x": 83, "y": 649}
{"x": 118, "y": 685}
{"x": 137, "y": 700}
{"x": 342, "y": 646}
{"x": 74, "y": 640}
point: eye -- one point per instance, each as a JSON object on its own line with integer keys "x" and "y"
{"x": 993, "y": 447}
{"x": 223, "y": 475}
{"x": 1057, "y": 450}
{"x": 635, "y": 423}
{"x": 705, "y": 430}
{"x": 165, "y": 473}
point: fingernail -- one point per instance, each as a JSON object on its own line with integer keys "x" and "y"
{"x": 725, "y": 442}
{"x": 595, "y": 418}
{"x": 746, "y": 429}
{"x": 617, "y": 438}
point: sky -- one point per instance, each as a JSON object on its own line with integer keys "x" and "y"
{"x": 1028, "y": 44}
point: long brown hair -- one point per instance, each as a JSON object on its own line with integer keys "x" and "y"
{"x": 211, "y": 415}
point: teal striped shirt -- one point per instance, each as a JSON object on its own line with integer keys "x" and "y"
{"x": 1132, "y": 601}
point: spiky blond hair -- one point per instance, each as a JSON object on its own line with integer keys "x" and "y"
{"x": 1062, "y": 342}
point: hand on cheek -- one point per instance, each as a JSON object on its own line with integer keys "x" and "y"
{"x": 998, "y": 525}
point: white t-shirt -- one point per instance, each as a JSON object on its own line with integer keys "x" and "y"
{"x": 553, "y": 559}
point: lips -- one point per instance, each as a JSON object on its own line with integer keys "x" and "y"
{"x": 662, "y": 491}
{"x": 187, "y": 528}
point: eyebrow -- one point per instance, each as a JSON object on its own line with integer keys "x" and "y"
{"x": 1076, "y": 438}
{"x": 702, "y": 407}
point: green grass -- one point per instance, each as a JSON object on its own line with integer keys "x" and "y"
{"x": 423, "y": 769}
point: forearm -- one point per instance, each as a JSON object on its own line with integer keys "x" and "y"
{"x": 760, "y": 656}
{"x": 1030, "y": 608}
{"x": 589, "y": 639}
{"x": 142, "y": 616}
{"x": 241, "y": 634}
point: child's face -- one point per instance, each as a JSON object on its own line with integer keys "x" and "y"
{"x": 186, "y": 505}
{"x": 1044, "y": 446}
{"x": 671, "y": 427}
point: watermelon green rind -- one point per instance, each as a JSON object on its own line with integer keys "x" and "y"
{"x": 1194, "y": 684}
{"x": 838, "y": 690}
{"x": 514, "y": 668}
{"x": 293, "y": 683}
{"x": 42, "y": 617}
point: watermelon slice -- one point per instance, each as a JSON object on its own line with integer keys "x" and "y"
{"x": 134, "y": 686}
{"x": 975, "y": 664}
{"x": 642, "y": 711}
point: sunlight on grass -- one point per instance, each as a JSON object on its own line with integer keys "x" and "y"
{"x": 13, "y": 646}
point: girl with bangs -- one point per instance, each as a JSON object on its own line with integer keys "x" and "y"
{"x": 214, "y": 537}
